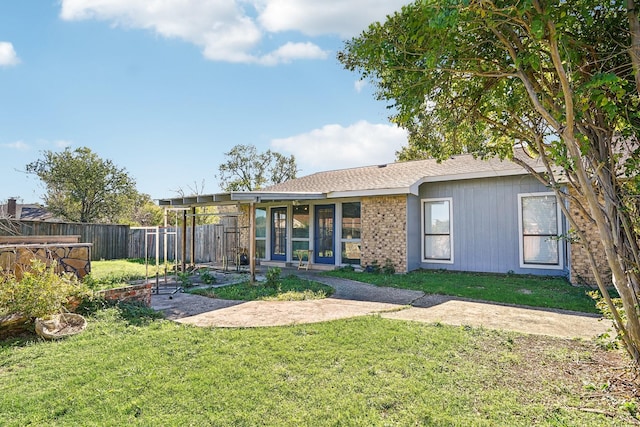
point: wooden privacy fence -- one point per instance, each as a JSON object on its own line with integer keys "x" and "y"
{"x": 213, "y": 242}
{"x": 108, "y": 241}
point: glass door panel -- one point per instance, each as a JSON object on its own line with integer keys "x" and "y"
{"x": 279, "y": 234}
{"x": 324, "y": 247}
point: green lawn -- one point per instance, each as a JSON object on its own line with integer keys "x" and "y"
{"x": 115, "y": 273}
{"x": 533, "y": 291}
{"x": 290, "y": 288}
{"x": 367, "y": 371}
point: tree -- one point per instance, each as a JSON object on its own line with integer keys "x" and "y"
{"x": 248, "y": 170}
{"x": 142, "y": 212}
{"x": 83, "y": 187}
{"x": 557, "y": 78}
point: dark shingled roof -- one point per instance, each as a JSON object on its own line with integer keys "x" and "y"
{"x": 400, "y": 175}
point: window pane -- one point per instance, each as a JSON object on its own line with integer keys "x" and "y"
{"x": 539, "y": 215}
{"x": 351, "y": 252}
{"x": 301, "y": 221}
{"x": 279, "y": 231}
{"x": 436, "y": 217}
{"x": 260, "y": 249}
{"x": 298, "y": 245}
{"x": 437, "y": 247}
{"x": 351, "y": 220}
{"x": 540, "y": 250}
{"x": 261, "y": 222}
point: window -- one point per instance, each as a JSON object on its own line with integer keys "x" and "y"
{"x": 351, "y": 220}
{"x": 261, "y": 232}
{"x": 437, "y": 245}
{"x": 540, "y": 226}
{"x": 279, "y": 233}
{"x": 300, "y": 240}
{"x": 351, "y": 226}
{"x": 301, "y": 222}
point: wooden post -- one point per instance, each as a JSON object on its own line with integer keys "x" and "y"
{"x": 252, "y": 241}
{"x": 193, "y": 236}
{"x": 184, "y": 240}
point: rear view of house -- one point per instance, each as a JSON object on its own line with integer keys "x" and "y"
{"x": 462, "y": 214}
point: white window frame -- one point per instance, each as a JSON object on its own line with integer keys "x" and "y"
{"x": 357, "y": 241}
{"x": 422, "y": 229}
{"x": 266, "y": 233}
{"x": 560, "y": 264}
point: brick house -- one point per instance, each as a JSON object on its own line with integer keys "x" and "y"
{"x": 462, "y": 214}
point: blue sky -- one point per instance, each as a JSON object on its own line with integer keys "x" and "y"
{"x": 164, "y": 88}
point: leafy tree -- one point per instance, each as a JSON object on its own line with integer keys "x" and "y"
{"x": 558, "y": 78}
{"x": 248, "y": 170}
{"x": 83, "y": 187}
{"x": 142, "y": 212}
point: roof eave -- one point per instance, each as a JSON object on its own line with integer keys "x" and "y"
{"x": 271, "y": 196}
{"x": 370, "y": 192}
{"x": 202, "y": 200}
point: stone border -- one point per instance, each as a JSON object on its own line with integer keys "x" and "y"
{"x": 133, "y": 293}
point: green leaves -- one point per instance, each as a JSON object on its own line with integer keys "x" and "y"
{"x": 40, "y": 292}
{"x": 248, "y": 170}
{"x": 82, "y": 187}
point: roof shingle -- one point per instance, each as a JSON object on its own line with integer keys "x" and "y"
{"x": 399, "y": 175}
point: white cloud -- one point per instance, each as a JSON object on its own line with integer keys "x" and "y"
{"x": 61, "y": 143}
{"x": 231, "y": 30}
{"x": 346, "y": 18}
{"x": 8, "y": 55}
{"x": 337, "y": 147}
{"x": 291, "y": 51}
{"x": 359, "y": 85}
{"x": 17, "y": 145}
{"x": 220, "y": 27}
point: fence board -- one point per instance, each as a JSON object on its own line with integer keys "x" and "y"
{"x": 213, "y": 241}
{"x": 108, "y": 241}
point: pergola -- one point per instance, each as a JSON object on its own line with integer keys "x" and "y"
{"x": 250, "y": 198}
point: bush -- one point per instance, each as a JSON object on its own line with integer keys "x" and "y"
{"x": 206, "y": 277}
{"x": 388, "y": 267}
{"x": 273, "y": 277}
{"x": 374, "y": 267}
{"x": 41, "y": 292}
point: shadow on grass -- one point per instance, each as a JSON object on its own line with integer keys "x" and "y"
{"x": 135, "y": 314}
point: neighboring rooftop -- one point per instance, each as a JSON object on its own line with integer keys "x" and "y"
{"x": 26, "y": 212}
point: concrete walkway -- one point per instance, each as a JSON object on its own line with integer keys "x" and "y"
{"x": 352, "y": 299}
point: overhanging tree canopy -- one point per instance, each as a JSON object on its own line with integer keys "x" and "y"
{"x": 558, "y": 78}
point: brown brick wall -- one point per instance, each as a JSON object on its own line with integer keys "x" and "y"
{"x": 134, "y": 293}
{"x": 581, "y": 272}
{"x": 384, "y": 231}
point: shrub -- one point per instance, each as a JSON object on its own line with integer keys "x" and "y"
{"x": 273, "y": 277}
{"x": 41, "y": 292}
{"x": 374, "y": 267}
{"x": 206, "y": 277}
{"x": 388, "y": 267}
{"x": 184, "y": 278}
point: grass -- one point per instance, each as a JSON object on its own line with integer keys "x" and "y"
{"x": 290, "y": 288}
{"x": 116, "y": 273}
{"x": 533, "y": 291}
{"x": 132, "y": 369}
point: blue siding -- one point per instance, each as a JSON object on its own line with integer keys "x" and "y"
{"x": 413, "y": 233}
{"x": 485, "y": 225}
